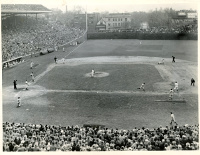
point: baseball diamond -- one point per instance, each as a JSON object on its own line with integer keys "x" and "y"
{"x": 66, "y": 94}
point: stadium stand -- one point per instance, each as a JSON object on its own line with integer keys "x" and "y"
{"x": 28, "y": 35}
{"x": 22, "y": 7}
{"x": 20, "y": 137}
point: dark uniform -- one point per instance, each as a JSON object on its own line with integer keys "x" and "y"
{"x": 15, "y": 84}
{"x": 55, "y": 60}
{"x": 173, "y": 59}
{"x": 192, "y": 82}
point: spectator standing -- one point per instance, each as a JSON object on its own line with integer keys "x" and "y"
{"x": 173, "y": 59}
{"x": 15, "y": 84}
{"x": 32, "y": 77}
{"x": 26, "y": 85}
{"x": 192, "y": 82}
{"x": 18, "y": 102}
{"x": 171, "y": 93}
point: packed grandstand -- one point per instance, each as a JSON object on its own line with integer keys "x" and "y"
{"x": 20, "y": 137}
{"x": 28, "y": 35}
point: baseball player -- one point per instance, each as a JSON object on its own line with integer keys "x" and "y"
{"x": 192, "y": 82}
{"x": 161, "y": 62}
{"x": 92, "y": 74}
{"x": 63, "y": 60}
{"x": 31, "y": 65}
{"x": 55, "y": 59}
{"x": 176, "y": 86}
{"x": 173, "y": 119}
{"x": 173, "y": 59}
{"x": 142, "y": 87}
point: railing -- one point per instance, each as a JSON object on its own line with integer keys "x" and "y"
{"x": 15, "y": 61}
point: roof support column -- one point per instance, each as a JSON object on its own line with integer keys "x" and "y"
{"x": 26, "y": 19}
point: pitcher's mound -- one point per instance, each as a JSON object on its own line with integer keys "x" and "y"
{"x": 97, "y": 74}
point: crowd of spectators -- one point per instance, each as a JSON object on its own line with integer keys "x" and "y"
{"x": 24, "y": 36}
{"x": 190, "y": 28}
{"x": 20, "y": 137}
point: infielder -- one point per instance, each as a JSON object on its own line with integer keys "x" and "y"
{"x": 63, "y": 60}
{"x": 142, "y": 87}
{"x": 161, "y": 62}
{"x": 92, "y": 74}
{"x": 176, "y": 86}
{"x": 31, "y": 65}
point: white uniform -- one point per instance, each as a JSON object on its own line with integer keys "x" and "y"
{"x": 176, "y": 86}
{"x": 63, "y": 60}
{"x": 142, "y": 86}
{"x": 31, "y": 65}
{"x": 173, "y": 118}
{"x": 92, "y": 73}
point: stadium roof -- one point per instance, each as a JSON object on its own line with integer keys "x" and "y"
{"x": 23, "y": 9}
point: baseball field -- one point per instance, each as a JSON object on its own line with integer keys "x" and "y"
{"x": 66, "y": 94}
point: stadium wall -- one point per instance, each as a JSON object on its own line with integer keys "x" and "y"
{"x": 143, "y": 36}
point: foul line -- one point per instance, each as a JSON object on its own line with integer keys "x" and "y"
{"x": 74, "y": 49}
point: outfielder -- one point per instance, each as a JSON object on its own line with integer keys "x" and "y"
{"x": 173, "y": 119}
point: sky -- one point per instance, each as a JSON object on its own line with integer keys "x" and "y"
{"x": 111, "y": 5}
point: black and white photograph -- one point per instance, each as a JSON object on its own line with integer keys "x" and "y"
{"x": 99, "y": 75}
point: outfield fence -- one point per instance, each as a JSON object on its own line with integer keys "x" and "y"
{"x": 143, "y": 36}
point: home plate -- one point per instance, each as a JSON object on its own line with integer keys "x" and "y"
{"x": 181, "y": 101}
